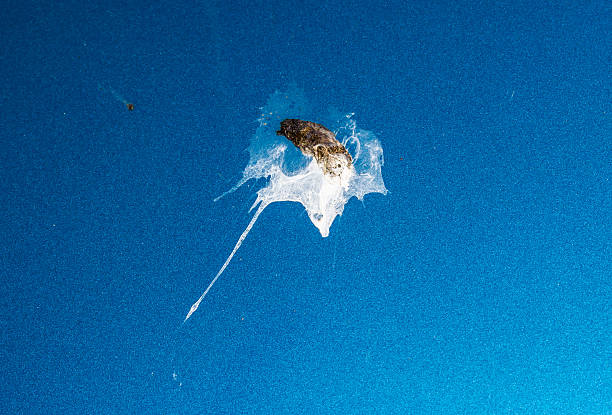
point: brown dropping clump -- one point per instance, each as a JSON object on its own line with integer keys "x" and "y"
{"x": 317, "y": 141}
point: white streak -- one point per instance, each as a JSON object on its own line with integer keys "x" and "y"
{"x": 195, "y": 305}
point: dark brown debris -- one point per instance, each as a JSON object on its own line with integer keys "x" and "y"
{"x": 317, "y": 141}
